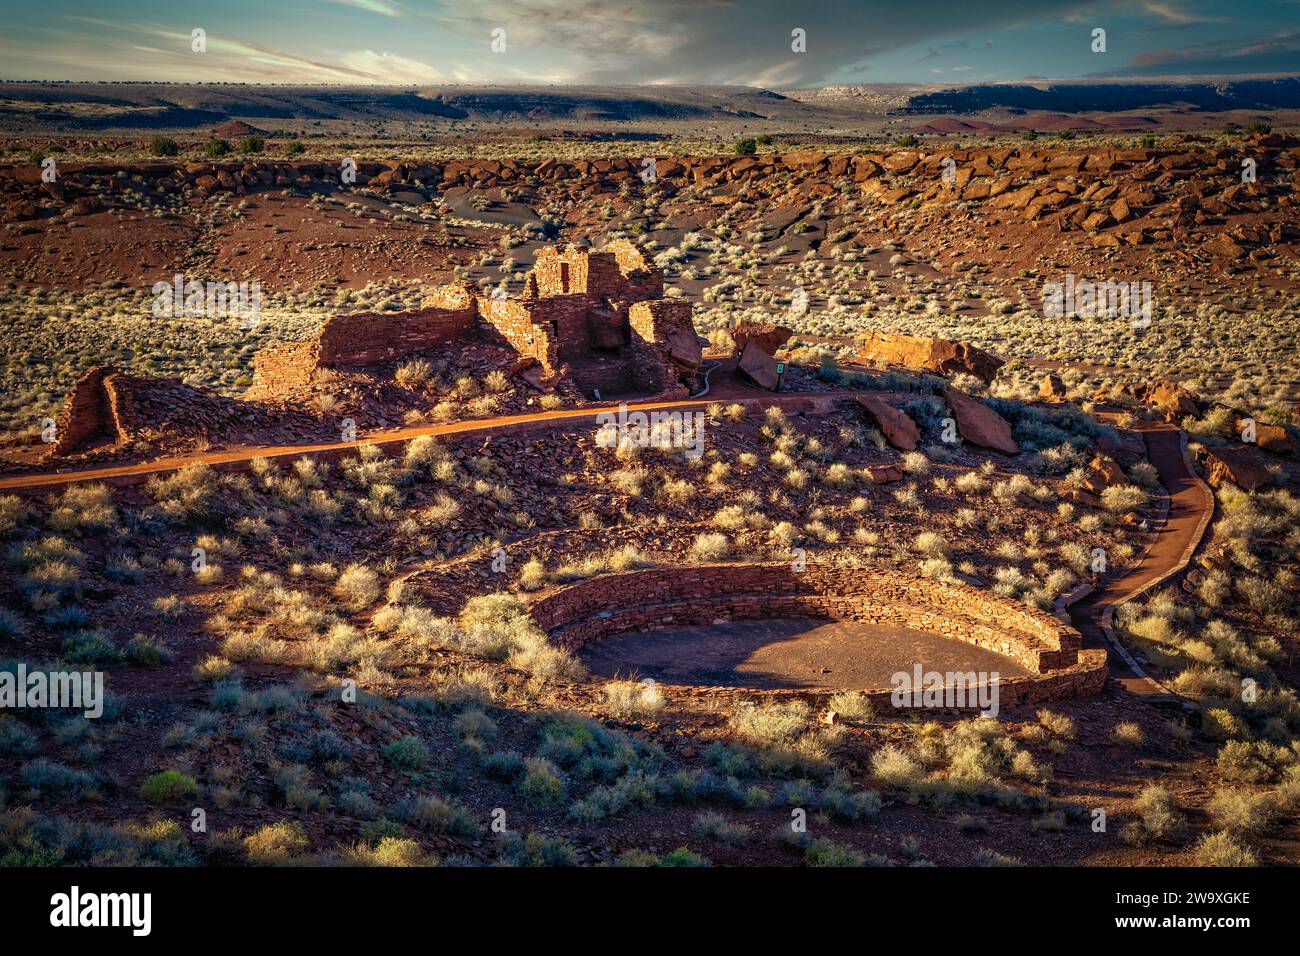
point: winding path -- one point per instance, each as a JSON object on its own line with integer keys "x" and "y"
{"x": 502, "y": 425}
{"x": 1190, "y": 508}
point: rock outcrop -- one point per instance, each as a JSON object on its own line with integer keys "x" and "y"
{"x": 1237, "y": 466}
{"x": 884, "y": 474}
{"x": 1052, "y": 389}
{"x": 757, "y": 365}
{"x": 1269, "y": 437}
{"x": 1103, "y": 472}
{"x": 939, "y": 356}
{"x": 899, "y": 430}
{"x": 767, "y": 335}
{"x": 1174, "y": 401}
{"x": 979, "y": 424}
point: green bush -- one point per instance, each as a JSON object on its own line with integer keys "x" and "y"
{"x": 407, "y": 753}
{"x": 163, "y": 146}
{"x": 253, "y": 144}
{"x": 169, "y": 786}
{"x": 217, "y": 147}
{"x": 746, "y": 147}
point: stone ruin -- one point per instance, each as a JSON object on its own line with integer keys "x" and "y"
{"x": 598, "y": 320}
{"x": 113, "y": 408}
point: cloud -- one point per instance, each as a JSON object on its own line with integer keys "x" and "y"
{"x": 382, "y": 7}
{"x": 391, "y": 68}
{"x": 621, "y": 42}
{"x": 1275, "y": 54}
{"x": 726, "y": 42}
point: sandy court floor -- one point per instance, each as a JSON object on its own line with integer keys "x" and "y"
{"x": 786, "y": 653}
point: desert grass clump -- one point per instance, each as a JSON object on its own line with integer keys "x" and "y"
{"x": 169, "y": 786}
{"x": 499, "y": 627}
{"x": 1122, "y": 499}
{"x": 1158, "y": 818}
{"x": 784, "y": 735}
{"x": 1222, "y": 849}
{"x": 357, "y": 586}
{"x": 853, "y": 706}
{"x": 1057, "y": 724}
{"x": 916, "y": 463}
{"x": 710, "y": 546}
{"x": 970, "y": 483}
{"x": 895, "y": 767}
{"x": 542, "y": 781}
{"x": 932, "y": 544}
{"x": 414, "y": 373}
{"x": 14, "y": 513}
{"x": 1242, "y": 812}
{"x": 83, "y": 507}
{"x": 276, "y": 844}
{"x": 185, "y": 498}
{"x": 633, "y": 699}
{"x": 407, "y": 753}
{"x": 212, "y": 668}
{"x": 823, "y": 852}
{"x": 1128, "y": 734}
{"x": 712, "y": 825}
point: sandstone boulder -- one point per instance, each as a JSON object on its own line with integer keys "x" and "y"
{"x": 1238, "y": 466}
{"x": 758, "y": 366}
{"x": 979, "y": 424}
{"x": 1175, "y": 401}
{"x": 899, "y": 430}
{"x": 1270, "y": 437}
{"x": 767, "y": 335}
{"x": 940, "y": 356}
{"x": 883, "y": 474}
{"x": 1102, "y": 473}
{"x": 684, "y": 347}
{"x": 1052, "y": 389}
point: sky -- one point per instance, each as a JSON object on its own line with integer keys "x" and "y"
{"x": 674, "y": 42}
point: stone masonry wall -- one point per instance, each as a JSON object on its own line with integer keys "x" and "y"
{"x": 284, "y": 367}
{"x": 520, "y": 325}
{"x": 369, "y": 338}
{"x": 574, "y": 316}
{"x": 643, "y": 600}
{"x": 86, "y": 414}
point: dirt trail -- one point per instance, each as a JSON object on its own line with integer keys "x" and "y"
{"x": 1191, "y": 506}
{"x": 503, "y": 425}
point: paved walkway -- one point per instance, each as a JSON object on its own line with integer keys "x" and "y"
{"x": 1191, "y": 506}
{"x": 506, "y": 424}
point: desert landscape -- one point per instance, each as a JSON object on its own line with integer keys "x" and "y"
{"x": 893, "y": 475}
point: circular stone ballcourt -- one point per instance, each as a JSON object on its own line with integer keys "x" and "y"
{"x": 767, "y": 627}
{"x": 787, "y": 653}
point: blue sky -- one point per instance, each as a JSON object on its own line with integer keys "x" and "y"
{"x": 748, "y": 42}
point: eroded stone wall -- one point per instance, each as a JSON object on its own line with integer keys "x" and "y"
{"x": 662, "y": 597}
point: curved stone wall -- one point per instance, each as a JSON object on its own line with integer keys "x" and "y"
{"x": 612, "y": 604}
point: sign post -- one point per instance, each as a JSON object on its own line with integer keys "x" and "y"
{"x": 780, "y": 374}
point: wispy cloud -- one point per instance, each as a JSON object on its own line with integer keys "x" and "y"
{"x": 696, "y": 42}
{"x": 382, "y": 7}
